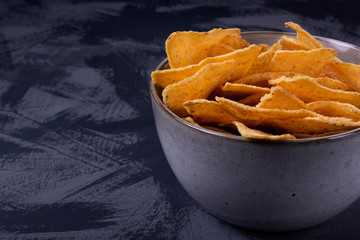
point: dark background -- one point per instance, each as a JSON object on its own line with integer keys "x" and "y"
{"x": 79, "y": 153}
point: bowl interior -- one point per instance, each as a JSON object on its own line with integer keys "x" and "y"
{"x": 345, "y": 51}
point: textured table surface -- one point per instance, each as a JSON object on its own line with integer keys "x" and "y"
{"x": 79, "y": 153}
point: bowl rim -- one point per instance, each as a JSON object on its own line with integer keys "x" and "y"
{"x": 160, "y": 102}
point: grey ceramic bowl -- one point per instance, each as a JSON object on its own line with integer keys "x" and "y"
{"x": 263, "y": 185}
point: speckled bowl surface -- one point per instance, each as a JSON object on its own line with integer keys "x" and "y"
{"x": 262, "y": 184}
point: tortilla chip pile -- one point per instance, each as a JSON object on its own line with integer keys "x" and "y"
{"x": 296, "y": 88}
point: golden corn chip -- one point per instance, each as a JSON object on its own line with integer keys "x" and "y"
{"x": 197, "y": 86}
{"x": 239, "y": 90}
{"x": 234, "y": 41}
{"x": 211, "y": 112}
{"x": 332, "y": 83}
{"x": 305, "y": 38}
{"x": 187, "y": 48}
{"x": 287, "y": 43}
{"x": 308, "y": 90}
{"x": 243, "y": 57}
{"x": 347, "y": 73}
{"x": 208, "y": 112}
{"x": 261, "y": 79}
{"x": 262, "y": 62}
{"x": 335, "y": 109}
{"x": 245, "y": 112}
{"x": 220, "y": 49}
{"x": 216, "y": 129}
{"x": 314, "y": 125}
{"x": 167, "y": 77}
{"x": 281, "y": 98}
{"x": 264, "y": 47}
{"x": 301, "y": 61}
{"x": 252, "y": 100}
{"x": 256, "y": 134}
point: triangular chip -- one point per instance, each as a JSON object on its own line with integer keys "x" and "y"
{"x": 187, "y": 48}
{"x": 332, "y": 83}
{"x": 197, "y": 86}
{"x": 281, "y": 98}
{"x": 252, "y": 100}
{"x": 245, "y": 112}
{"x": 347, "y": 73}
{"x": 335, "y": 109}
{"x": 256, "y": 134}
{"x": 234, "y": 41}
{"x": 239, "y": 90}
{"x": 220, "y": 49}
{"x": 305, "y": 38}
{"x": 213, "y": 128}
{"x": 305, "y": 62}
{"x": 208, "y": 112}
{"x": 264, "y": 47}
{"x": 261, "y": 79}
{"x": 262, "y": 62}
{"x": 243, "y": 57}
{"x": 308, "y": 90}
{"x": 314, "y": 125}
{"x": 287, "y": 43}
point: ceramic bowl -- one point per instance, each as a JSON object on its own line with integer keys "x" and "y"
{"x": 258, "y": 184}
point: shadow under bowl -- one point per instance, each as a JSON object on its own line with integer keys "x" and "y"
{"x": 261, "y": 184}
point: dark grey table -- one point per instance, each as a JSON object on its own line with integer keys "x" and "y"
{"x": 79, "y": 153}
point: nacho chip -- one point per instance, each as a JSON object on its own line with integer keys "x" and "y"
{"x": 234, "y": 41}
{"x": 208, "y": 112}
{"x": 220, "y": 49}
{"x": 262, "y": 62}
{"x": 287, "y": 43}
{"x": 244, "y": 112}
{"x": 264, "y": 47}
{"x": 197, "y": 86}
{"x": 335, "y": 109}
{"x": 261, "y": 79}
{"x": 187, "y": 48}
{"x": 211, "y": 112}
{"x": 308, "y": 90}
{"x": 305, "y": 62}
{"x": 239, "y": 91}
{"x": 332, "y": 83}
{"x": 216, "y": 129}
{"x": 314, "y": 125}
{"x": 252, "y": 100}
{"x": 281, "y": 98}
{"x": 347, "y": 73}
{"x": 256, "y": 134}
{"x": 243, "y": 57}
{"x": 305, "y": 38}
